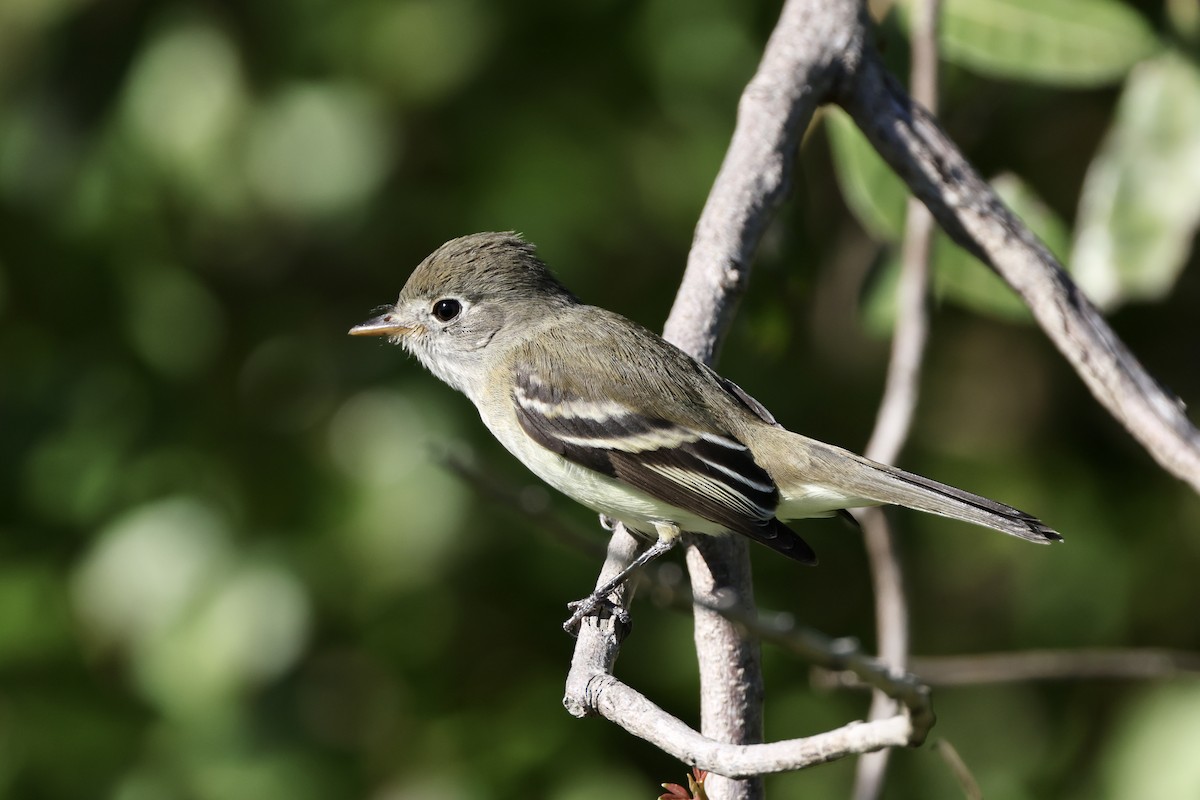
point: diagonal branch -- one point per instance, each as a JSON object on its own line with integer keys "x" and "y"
{"x": 635, "y": 713}
{"x": 797, "y": 71}
{"x": 911, "y": 141}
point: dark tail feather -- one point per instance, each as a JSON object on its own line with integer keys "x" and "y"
{"x": 782, "y": 539}
{"x": 980, "y": 510}
{"x": 859, "y": 477}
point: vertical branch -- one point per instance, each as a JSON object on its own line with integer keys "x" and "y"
{"x": 773, "y": 111}
{"x": 896, "y": 411}
{"x": 730, "y": 663}
{"x": 796, "y": 73}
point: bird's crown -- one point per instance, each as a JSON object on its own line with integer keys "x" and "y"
{"x": 486, "y": 265}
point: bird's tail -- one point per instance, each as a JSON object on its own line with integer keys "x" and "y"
{"x": 823, "y": 478}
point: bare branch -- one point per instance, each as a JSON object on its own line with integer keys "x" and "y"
{"x": 592, "y": 683}
{"x": 912, "y": 325}
{"x": 1046, "y": 665}
{"x": 775, "y": 108}
{"x": 599, "y": 641}
{"x": 795, "y": 73}
{"x": 959, "y": 768}
{"x": 730, "y": 664}
{"x": 911, "y": 141}
{"x": 632, "y": 711}
{"x": 514, "y": 497}
{"x": 845, "y": 656}
{"x": 1038, "y": 665}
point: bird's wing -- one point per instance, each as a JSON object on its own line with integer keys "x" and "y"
{"x": 705, "y": 471}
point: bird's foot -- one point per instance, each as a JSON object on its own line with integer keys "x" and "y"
{"x": 600, "y": 606}
{"x": 598, "y": 602}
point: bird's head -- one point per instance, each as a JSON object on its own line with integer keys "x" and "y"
{"x": 470, "y": 294}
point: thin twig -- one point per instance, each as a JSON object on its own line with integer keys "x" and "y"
{"x": 512, "y": 496}
{"x": 840, "y": 655}
{"x": 896, "y": 409}
{"x": 1148, "y": 663}
{"x": 965, "y": 670}
{"x": 1053, "y": 665}
{"x": 959, "y": 769}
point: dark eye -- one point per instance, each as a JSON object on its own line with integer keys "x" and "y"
{"x": 446, "y": 310}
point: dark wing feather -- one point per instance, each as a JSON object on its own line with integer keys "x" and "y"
{"x": 712, "y": 476}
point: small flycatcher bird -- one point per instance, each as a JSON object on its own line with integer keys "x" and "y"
{"x": 629, "y": 425}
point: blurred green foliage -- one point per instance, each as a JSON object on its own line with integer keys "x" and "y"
{"x": 230, "y": 563}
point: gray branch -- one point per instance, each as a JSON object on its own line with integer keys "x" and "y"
{"x": 1083, "y": 664}
{"x": 593, "y": 689}
{"x": 730, "y": 664}
{"x": 970, "y": 212}
{"x": 1048, "y": 665}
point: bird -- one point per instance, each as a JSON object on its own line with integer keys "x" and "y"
{"x": 627, "y": 424}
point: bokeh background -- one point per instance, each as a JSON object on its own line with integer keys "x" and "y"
{"x": 232, "y": 564}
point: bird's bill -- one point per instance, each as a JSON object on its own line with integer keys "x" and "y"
{"x": 383, "y": 325}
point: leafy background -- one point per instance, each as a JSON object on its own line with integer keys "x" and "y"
{"x": 231, "y": 565}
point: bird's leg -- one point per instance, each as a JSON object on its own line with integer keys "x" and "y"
{"x": 594, "y": 601}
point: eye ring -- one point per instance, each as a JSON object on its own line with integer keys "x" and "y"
{"x": 446, "y": 309}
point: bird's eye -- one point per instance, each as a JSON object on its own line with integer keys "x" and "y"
{"x": 446, "y": 310}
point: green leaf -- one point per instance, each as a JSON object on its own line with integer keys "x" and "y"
{"x": 872, "y": 191}
{"x": 1141, "y": 198}
{"x": 1151, "y": 754}
{"x": 1062, "y": 42}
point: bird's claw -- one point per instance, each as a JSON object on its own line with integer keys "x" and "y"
{"x": 602, "y": 607}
